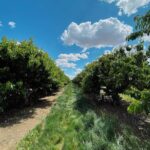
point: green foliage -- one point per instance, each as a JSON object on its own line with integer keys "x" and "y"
{"x": 135, "y": 105}
{"x": 125, "y": 67}
{"x": 145, "y": 98}
{"x": 26, "y": 73}
{"x": 70, "y": 127}
{"x": 139, "y": 100}
{"x": 133, "y": 92}
{"x": 86, "y": 78}
{"x": 142, "y": 26}
{"x": 116, "y": 71}
{"x": 89, "y": 83}
{"x": 11, "y": 94}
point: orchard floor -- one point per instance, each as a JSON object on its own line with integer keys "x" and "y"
{"x": 15, "y": 125}
{"x": 76, "y": 123}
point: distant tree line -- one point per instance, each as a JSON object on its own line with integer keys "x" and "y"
{"x": 26, "y": 73}
{"x": 124, "y": 73}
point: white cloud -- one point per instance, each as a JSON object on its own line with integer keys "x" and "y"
{"x": 146, "y": 38}
{"x": 65, "y": 63}
{"x": 78, "y": 70}
{"x": 128, "y": 7}
{"x": 107, "y": 52}
{"x": 70, "y": 76}
{"x": 68, "y": 60}
{"x": 12, "y": 24}
{"x": 104, "y": 33}
{"x": 87, "y": 63}
{"x": 1, "y": 24}
{"x": 18, "y": 43}
{"x": 73, "y": 56}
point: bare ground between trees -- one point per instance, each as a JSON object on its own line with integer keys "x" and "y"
{"x": 16, "y": 124}
{"x": 139, "y": 123}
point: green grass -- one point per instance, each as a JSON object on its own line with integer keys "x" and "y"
{"x": 74, "y": 125}
{"x": 128, "y": 98}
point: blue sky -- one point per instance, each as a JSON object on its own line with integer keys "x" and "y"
{"x": 74, "y": 33}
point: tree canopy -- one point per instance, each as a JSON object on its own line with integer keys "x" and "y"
{"x": 26, "y": 73}
{"x": 124, "y": 71}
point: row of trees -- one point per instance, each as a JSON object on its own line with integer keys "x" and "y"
{"x": 124, "y": 73}
{"x": 26, "y": 73}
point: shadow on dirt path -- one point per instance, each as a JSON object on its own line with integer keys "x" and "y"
{"x": 17, "y": 123}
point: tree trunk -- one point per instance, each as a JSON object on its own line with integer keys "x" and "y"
{"x": 116, "y": 99}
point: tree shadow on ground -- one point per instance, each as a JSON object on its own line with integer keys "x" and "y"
{"x": 16, "y": 116}
{"x": 139, "y": 123}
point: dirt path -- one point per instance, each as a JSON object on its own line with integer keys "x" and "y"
{"x": 16, "y": 125}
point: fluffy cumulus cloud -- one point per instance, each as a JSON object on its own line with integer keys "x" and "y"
{"x": 128, "y": 7}
{"x": 73, "y": 57}
{"x": 68, "y": 60}
{"x": 104, "y": 33}
{"x": 65, "y": 64}
{"x": 12, "y": 24}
